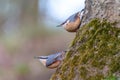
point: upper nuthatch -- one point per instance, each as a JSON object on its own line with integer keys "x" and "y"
{"x": 53, "y": 60}
{"x": 73, "y": 22}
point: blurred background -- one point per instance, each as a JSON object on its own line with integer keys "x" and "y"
{"x": 28, "y": 29}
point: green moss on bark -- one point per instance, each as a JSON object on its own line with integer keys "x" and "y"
{"x": 94, "y": 54}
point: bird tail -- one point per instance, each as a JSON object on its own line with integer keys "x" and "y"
{"x": 40, "y": 57}
{"x": 59, "y": 25}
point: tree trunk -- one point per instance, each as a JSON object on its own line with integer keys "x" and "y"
{"x": 94, "y": 54}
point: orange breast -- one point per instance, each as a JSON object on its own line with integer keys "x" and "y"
{"x": 72, "y": 26}
{"x": 54, "y": 65}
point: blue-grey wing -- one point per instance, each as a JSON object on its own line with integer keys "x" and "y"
{"x": 52, "y": 58}
{"x": 72, "y": 18}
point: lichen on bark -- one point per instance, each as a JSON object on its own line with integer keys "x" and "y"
{"x": 94, "y": 53}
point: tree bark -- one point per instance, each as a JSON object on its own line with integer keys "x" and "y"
{"x": 94, "y": 54}
{"x": 103, "y": 9}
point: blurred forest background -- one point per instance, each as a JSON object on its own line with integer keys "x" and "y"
{"x": 27, "y": 31}
{"x": 24, "y": 33}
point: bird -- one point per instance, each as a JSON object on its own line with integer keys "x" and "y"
{"x": 53, "y": 60}
{"x": 73, "y": 22}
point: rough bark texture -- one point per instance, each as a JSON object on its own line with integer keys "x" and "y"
{"x": 103, "y": 9}
{"x": 94, "y": 54}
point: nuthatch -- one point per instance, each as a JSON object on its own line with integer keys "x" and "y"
{"x": 73, "y": 22}
{"x": 53, "y": 60}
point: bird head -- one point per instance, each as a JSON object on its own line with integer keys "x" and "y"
{"x": 80, "y": 13}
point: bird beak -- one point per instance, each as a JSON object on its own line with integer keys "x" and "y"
{"x": 65, "y": 51}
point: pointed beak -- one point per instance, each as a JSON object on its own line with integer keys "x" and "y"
{"x": 65, "y": 51}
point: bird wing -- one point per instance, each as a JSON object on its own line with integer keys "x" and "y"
{"x": 52, "y": 58}
{"x": 70, "y": 19}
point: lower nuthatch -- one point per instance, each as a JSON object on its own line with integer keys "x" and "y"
{"x": 73, "y": 22}
{"x": 53, "y": 60}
